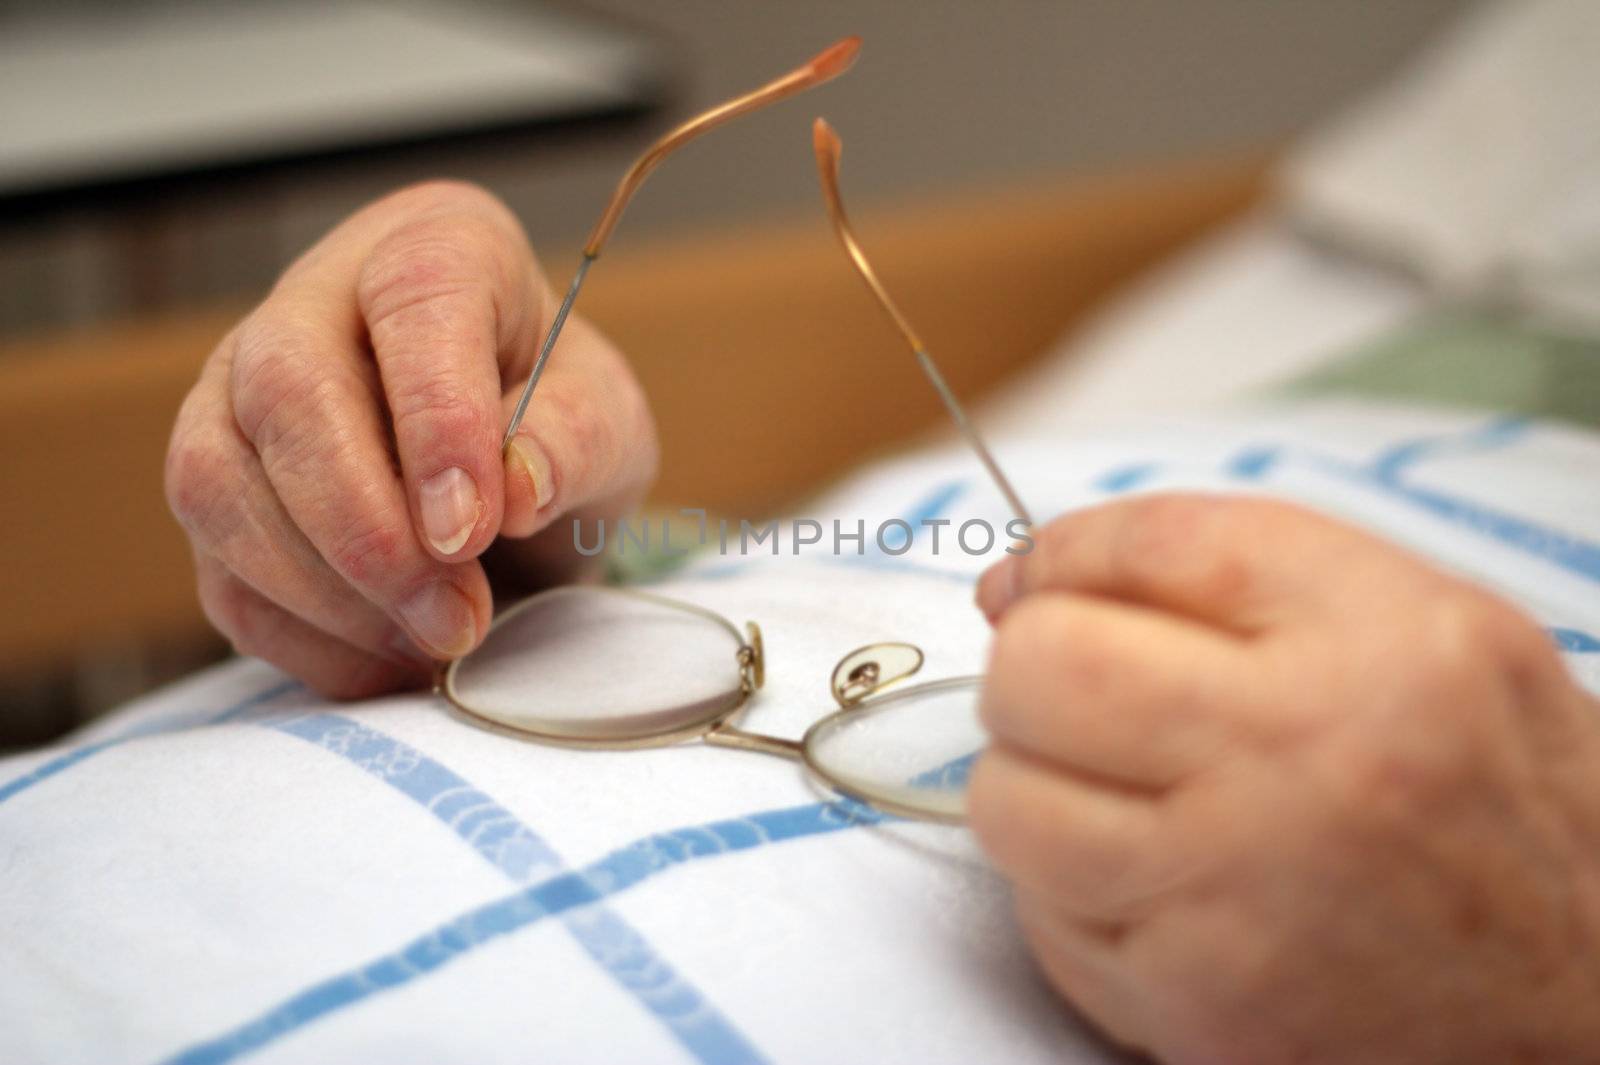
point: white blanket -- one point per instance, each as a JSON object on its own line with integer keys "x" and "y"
{"x": 235, "y": 869}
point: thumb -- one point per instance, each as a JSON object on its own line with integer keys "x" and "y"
{"x": 588, "y": 437}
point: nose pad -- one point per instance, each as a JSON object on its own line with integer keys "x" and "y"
{"x": 871, "y": 669}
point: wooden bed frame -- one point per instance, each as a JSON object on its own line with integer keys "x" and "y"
{"x": 770, "y": 370}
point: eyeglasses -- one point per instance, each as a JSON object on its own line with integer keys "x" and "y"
{"x": 600, "y": 667}
{"x": 617, "y": 668}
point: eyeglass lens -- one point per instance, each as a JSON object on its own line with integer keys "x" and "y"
{"x": 911, "y": 748}
{"x": 595, "y": 664}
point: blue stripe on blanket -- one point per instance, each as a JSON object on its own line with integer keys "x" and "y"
{"x": 72, "y": 757}
{"x": 522, "y": 855}
{"x": 558, "y": 895}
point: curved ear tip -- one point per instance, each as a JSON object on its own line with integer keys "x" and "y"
{"x": 836, "y": 58}
{"x": 823, "y": 138}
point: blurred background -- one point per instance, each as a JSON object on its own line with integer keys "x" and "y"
{"x": 1012, "y": 162}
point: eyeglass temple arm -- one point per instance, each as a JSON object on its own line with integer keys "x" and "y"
{"x": 825, "y": 66}
{"x": 828, "y": 148}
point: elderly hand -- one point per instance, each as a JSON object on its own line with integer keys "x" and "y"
{"x": 338, "y": 467}
{"x": 1271, "y": 790}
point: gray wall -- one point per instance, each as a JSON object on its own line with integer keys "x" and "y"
{"x": 948, "y": 94}
{"x": 958, "y": 92}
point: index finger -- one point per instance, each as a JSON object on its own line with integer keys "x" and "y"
{"x": 1239, "y": 563}
{"x": 440, "y": 285}
{"x": 450, "y": 299}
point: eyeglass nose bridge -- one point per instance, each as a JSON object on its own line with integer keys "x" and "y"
{"x": 863, "y": 672}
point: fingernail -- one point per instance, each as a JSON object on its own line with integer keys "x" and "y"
{"x": 530, "y": 459}
{"x": 440, "y": 617}
{"x": 998, "y": 588}
{"x": 450, "y": 509}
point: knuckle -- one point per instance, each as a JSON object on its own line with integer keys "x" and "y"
{"x": 1436, "y": 730}
{"x": 1407, "y": 777}
{"x": 259, "y": 343}
{"x": 1173, "y": 519}
{"x": 639, "y": 432}
{"x": 193, "y": 477}
{"x": 272, "y": 371}
{"x": 373, "y": 555}
{"x": 1019, "y": 638}
{"x": 1085, "y": 672}
{"x": 224, "y": 602}
{"x": 1512, "y": 638}
{"x": 1051, "y": 540}
{"x": 444, "y": 405}
{"x": 443, "y": 196}
{"x": 1182, "y": 538}
{"x": 1478, "y": 647}
{"x": 585, "y": 424}
{"x": 448, "y": 263}
{"x": 989, "y": 814}
{"x": 1037, "y": 647}
{"x": 1466, "y": 630}
{"x": 1417, "y": 750}
{"x": 196, "y": 480}
{"x": 1034, "y": 631}
{"x": 304, "y": 427}
{"x": 419, "y": 265}
{"x": 1131, "y": 877}
{"x": 1417, "y": 743}
{"x": 584, "y": 429}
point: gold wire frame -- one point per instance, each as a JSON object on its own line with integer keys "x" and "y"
{"x": 749, "y": 657}
{"x": 824, "y": 66}
{"x": 825, "y": 142}
{"x": 717, "y": 727}
{"x": 831, "y": 780}
{"x": 854, "y": 693}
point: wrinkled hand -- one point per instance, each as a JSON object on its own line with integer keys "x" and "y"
{"x": 338, "y": 466}
{"x": 1271, "y": 790}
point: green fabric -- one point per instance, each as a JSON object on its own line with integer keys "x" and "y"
{"x": 654, "y": 562}
{"x": 1470, "y": 359}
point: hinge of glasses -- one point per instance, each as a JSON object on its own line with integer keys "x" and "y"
{"x": 752, "y": 659}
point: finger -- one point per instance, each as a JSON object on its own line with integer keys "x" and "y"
{"x": 221, "y": 495}
{"x": 1239, "y": 563}
{"x": 1102, "y": 852}
{"x": 260, "y": 628}
{"x": 588, "y": 442}
{"x": 309, "y": 406}
{"x": 449, "y": 298}
{"x": 1083, "y": 963}
{"x": 1115, "y": 691}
